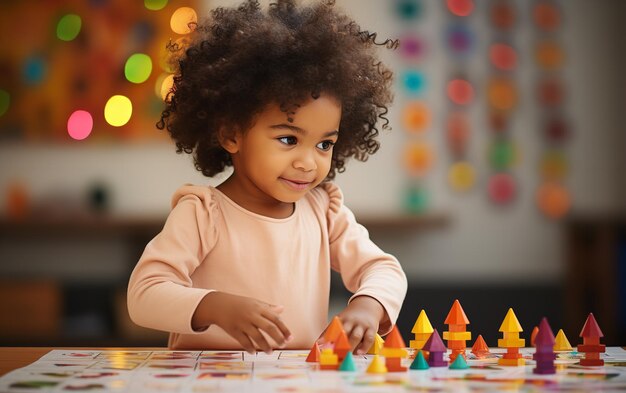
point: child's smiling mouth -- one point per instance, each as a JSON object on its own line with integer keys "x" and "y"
{"x": 297, "y": 185}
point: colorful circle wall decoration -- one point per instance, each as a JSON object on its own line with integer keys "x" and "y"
{"x": 416, "y": 117}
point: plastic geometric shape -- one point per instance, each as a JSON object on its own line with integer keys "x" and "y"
{"x": 342, "y": 345}
{"x": 394, "y": 353}
{"x": 510, "y": 323}
{"x": 480, "y": 347}
{"x": 418, "y": 343}
{"x": 394, "y": 339}
{"x": 591, "y": 348}
{"x": 422, "y": 324}
{"x": 511, "y": 342}
{"x": 328, "y": 360}
{"x": 394, "y": 364}
{"x": 591, "y": 328}
{"x": 545, "y": 337}
{"x": 456, "y": 315}
{"x": 591, "y": 362}
{"x": 561, "y": 343}
{"x": 348, "y": 363}
{"x": 376, "y": 346}
{"x": 459, "y": 364}
{"x": 512, "y": 362}
{"x": 544, "y": 356}
{"x": 377, "y": 366}
{"x": 419, "y": 363}
{"x": 434, "y": 343}
{"x": 333, "y": 330}
{"x": 457, "y": 336}
{"x": 314, "y": 355}
{"x": 435, "y": 359}
{"x": 533, "y": 335}
{"x": 457, "y": 344}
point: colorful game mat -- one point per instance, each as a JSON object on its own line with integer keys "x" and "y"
{"x": 287, "y": 371}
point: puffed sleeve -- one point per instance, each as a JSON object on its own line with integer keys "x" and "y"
{"x": 365, "y": 269}
{"x": 160, "y": 292}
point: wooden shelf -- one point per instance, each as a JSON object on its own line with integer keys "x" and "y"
{"x": 151, "y": 225}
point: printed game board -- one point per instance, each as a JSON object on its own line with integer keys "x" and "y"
{"x": 287, "y": 371}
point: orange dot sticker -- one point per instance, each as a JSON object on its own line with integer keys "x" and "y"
{"x": 547, "y": 16}
{"x": 416, "y": 117}
{"x": 549, "y": 55}
{"x": 461, "y": 176}
{"x": 418, "y": 158}
{"x": 550, "y": 92}
{"x": 503, "y": 56}
{"x": 460, "y": 91}
{"x": 502, "y": 93}
{"x": 553, "y": 200}
{"x": 183, "y": 20}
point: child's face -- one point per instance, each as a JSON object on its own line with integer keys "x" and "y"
{"x": 283, "y": 160}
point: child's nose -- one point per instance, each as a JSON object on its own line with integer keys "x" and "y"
{"x": 305, "y": 162}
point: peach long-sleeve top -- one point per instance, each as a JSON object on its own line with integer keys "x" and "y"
{"x": 209, "y": 243}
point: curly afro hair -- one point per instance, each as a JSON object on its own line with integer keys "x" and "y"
{"x": 241, "y": 59}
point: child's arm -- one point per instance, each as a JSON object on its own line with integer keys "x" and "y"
{"x": 376, "y": 278}
{"x": 244, "y": 318}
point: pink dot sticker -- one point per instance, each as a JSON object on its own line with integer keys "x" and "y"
{"x": 501, "y": 188}
{"x": 79, "y": 125}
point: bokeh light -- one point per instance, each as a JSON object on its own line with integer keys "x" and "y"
{"x": 5, "y": 101}
{"x": 458, "y": 130}
{"x": 155, "y": 5}
{"x": 166, "y": 86}
{"x": 79, "y": 125}
{"x": 34, "y": 70}
{"x": 553, "y": 165}
{"x": 138, "y": 68}
{"x": 412, "y": 47}
{"x": 460, "y": 7}
{"x": 460, "y": 92}
{"x": 549, "y": 55}
{"x": 118, "y": 110}
{"x": 551, "y": 92}
{"x": 183, "y": 20}
{"x": 503, "y": 16}
{"x": 502, "y": 93}
{"x": 69, "y": 27}
{"x": 547, "y": 16}
{"x": 502, "y": 154}
{"x": 409, "y": 9}
{"x": 460, "y": 40}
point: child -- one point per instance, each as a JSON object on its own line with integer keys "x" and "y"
{"x": 284, "y": 96}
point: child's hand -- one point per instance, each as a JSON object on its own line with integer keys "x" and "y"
{"x": 360, "y": 321}
{"x": 243, "y": 318}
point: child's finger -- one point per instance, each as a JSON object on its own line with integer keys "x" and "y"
{"x": 272, "y": 330}
{"x": 356, "y": 335}
{"x": 245, "y": 342}
{"x": 366, "y": 343}
{"x": 255, "y": 334}
{"x": 275, "y": 319}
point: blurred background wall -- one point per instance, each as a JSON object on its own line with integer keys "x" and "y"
{"x": 77, "y": 213}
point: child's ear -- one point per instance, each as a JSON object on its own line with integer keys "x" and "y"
{"x": 228, "y": 140}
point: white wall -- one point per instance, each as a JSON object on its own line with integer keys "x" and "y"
{"x": 482, "y": 243}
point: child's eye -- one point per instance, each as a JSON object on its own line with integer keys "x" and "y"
{"x": 288, "y": 140}
{"x": 325, "y": 145}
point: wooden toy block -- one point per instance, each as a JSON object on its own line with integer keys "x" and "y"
{"x": 376, "y": 346}
{"x": 480, "y": 348}
{"x": 512, "y": 362}
{"x": 314, "y": 355}
{"x": 377, "y": 366}
{"x": 422, "y": 330}
{"x": 457, "y": 336}
{"x": 591, "y": 346}
{"x": 394, "y": 345}
{"x": 533, "y": 335}
{"x": 333, "y": 330}
{"x": 436, "y": 350}
{"x": 459, "y": 363}
{"x": 420, "y": 362}
{"x": 510, "y": 323}
{"x": 328, "y": 360}
{"x": 510, "y": 340}
{"x": 394, "y": 364}
{"x": 561, "y": 343}
{"x": 544, "y": 355}
{"x": 348, "y": 363}
{"x": 342, "y": 345}
{"x": 394, "y": 353}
